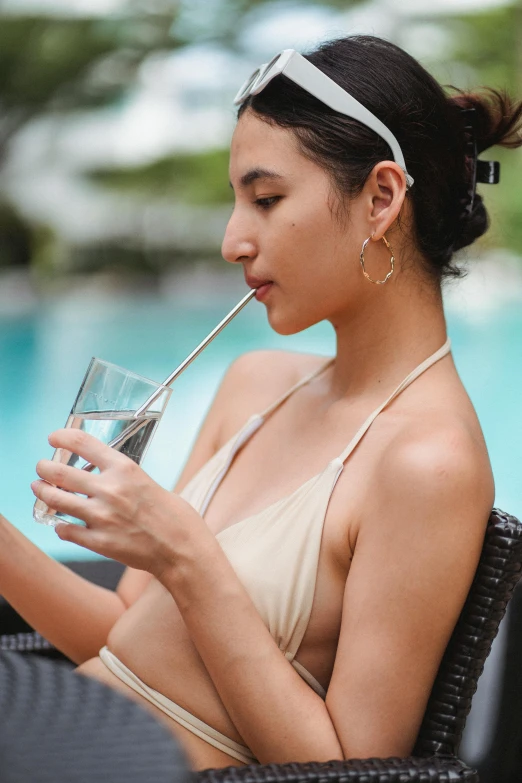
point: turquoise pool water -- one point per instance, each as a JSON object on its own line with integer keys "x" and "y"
{"x": 44, "y": 354}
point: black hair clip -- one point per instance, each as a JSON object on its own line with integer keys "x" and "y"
{"x": 485, "y": 171}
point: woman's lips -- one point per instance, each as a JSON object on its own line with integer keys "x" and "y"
{"x": 262, "y": 291}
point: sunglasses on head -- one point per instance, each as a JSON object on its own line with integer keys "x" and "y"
{"x": 297, "y": 68}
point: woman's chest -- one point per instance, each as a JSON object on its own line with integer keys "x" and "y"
{"x": 278, "y": 460}
{"x": 295, "y": 582}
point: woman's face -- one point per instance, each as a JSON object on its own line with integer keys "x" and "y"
{"x": 283, "y": 229}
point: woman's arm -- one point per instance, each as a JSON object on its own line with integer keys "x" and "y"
{"x": 414, "y": 560}
{"x": 72, "y": 613}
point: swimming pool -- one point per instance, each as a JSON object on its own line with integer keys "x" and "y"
{"x": 44, "y": 353}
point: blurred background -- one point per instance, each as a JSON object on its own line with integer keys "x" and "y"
{"x": 115, "y": 120}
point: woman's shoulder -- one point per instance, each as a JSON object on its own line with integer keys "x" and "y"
{"x": 257, "y": 378}
{"x": 442, "y": 460}
{"x": 267, "y": 366}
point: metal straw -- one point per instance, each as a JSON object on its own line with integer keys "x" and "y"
{"x": 132, "y": 429}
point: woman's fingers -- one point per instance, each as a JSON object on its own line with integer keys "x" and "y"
{"x": 60, "y": 500}
{"x": 66, "y": 477}
{"x": 87, "y": 446}
{"x": 96, "y": 541}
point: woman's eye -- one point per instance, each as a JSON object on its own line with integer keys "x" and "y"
{"x": 265, "y": 203}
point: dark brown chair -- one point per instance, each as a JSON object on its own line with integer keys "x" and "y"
{"x": 434, "y": 758}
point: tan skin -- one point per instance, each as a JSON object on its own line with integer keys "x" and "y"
{"x": 404, "y": 527}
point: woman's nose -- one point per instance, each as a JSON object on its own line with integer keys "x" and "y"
{"x": 237, "y": 243}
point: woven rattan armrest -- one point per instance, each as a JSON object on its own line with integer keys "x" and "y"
{"x": 434, "y": 769}
{"x": 29, "y": 642}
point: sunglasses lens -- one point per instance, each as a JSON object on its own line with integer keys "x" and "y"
{"x": 259, "y": 79}
{"x": 267, "y": 74}
{"x": 270, "y": 65}
{"x": 246, "y": 88}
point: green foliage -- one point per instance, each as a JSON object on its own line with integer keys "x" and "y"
{"x": 193, "y": 178}
{"x": 22, "y": 241}
{"x": 52, "y": 64}
{"x": 15, "y": 238}
{"x": 490, "y": 43}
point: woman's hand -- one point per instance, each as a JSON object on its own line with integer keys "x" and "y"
{"x": 129, "y": 517}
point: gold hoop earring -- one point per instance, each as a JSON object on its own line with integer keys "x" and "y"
{"x": 392, "y": 261}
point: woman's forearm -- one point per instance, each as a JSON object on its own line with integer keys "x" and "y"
{"x": 277, "y": 714}
{"x": 68, "y": 610}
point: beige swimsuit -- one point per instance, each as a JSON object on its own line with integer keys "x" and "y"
{"x": 287, "y": 536}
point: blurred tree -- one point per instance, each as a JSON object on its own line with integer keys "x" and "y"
{"x": 192, "y": 178}
{"x": 54, "y": 65}
{"x": 15, "y": 238}
{"x": 21, "y": 241}
{"x": 490, "y": 43}
{"x": 49, "y": 64}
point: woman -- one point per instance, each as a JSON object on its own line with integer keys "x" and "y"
{"x": 266, "y": 615}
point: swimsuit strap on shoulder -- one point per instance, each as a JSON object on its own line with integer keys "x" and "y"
{"x": 442, "y": 351}
{"x": 294, "y": 388}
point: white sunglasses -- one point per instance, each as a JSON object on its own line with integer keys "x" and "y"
{"x": 302, "y": 72}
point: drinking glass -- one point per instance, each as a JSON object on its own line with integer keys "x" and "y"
{"x": 108, "y": 398}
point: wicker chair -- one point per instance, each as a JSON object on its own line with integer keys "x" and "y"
{"x": 434, "y": 758}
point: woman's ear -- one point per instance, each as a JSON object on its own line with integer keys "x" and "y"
{"x": 387, "y": 186}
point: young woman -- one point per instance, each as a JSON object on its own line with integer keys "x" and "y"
{"x": 292, "y": 599}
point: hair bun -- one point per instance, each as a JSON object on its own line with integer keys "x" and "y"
{"x": 497, "y": 121}
{"x": 498, "y": 117}
{"x": 472, "y": 224}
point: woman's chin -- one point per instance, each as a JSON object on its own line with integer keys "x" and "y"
{"x": 288, "y": 325}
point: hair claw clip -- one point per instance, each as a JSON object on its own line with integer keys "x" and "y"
{"x": 488, "y": 171}
{"x": 484, "y": 171}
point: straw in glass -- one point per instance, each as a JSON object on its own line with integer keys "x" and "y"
{"x": 133, "y": 428}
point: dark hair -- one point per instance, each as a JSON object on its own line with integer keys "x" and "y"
{"x": 428, "y": 124}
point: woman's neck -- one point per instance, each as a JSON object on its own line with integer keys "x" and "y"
{"x": 382, "y": 343}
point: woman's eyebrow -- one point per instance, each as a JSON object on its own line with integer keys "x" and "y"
{"x": 257, "y": 173}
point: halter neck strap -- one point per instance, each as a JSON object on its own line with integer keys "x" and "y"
{"x": 442, "y": 351}
{"x": 302, "y": 382}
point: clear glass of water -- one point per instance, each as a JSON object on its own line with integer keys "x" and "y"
{"x": 108, "y": 398}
